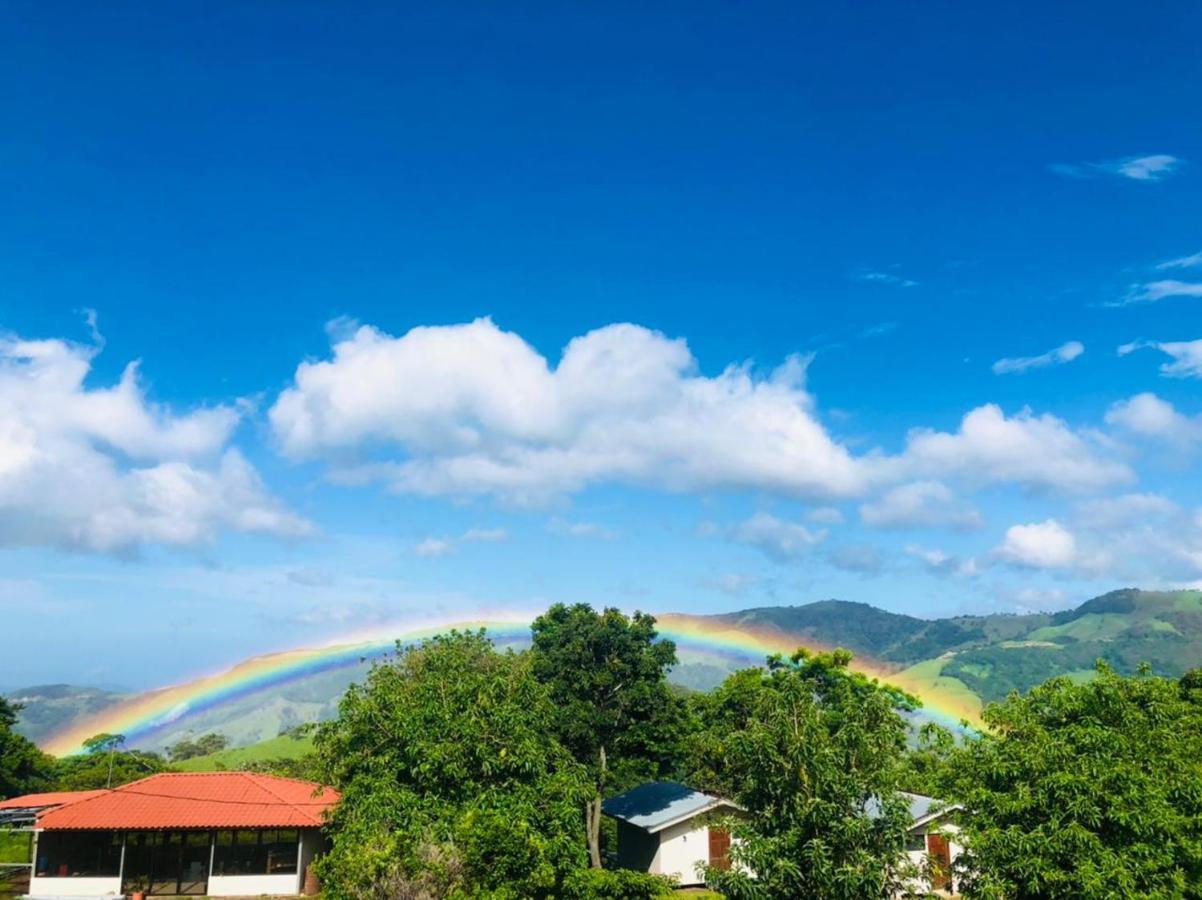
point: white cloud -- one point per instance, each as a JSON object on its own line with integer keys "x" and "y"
{"x": 1154, "y": 167}
{"x": 825, "y": 515}
{"x": 1187, "y": 356}
{"x": 106, "y": 469}
{"x": 1153, "y": 291}
{"x": 1149, "y": 416}
{"x": 929, "y": 504}
{"x": 940, "y": 563}
{"x": 581, "y": 529}
{"x": 1182, "y": 262}
{"x": 873, "y": 277}
{"x": 1026, "y": 449}
{"x": 1063, "y": 354}
{"x": 435, "y": 546}
{"x": 1127, "y": 509}
{"x": 1042, "y": 545}
{"x": 471, "y": 409}
{"x": 777, "y": 539}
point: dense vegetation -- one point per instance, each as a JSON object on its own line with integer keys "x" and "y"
{"x": 473, "y": 773}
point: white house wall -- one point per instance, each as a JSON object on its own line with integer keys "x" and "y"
{"x": 252, "y": 885}
{"x": 682, "y": 848}
{"x": 74, "y": 887}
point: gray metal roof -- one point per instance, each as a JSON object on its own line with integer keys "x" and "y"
{"x": 654, "y": 805}
{"x": 921, "y": 807}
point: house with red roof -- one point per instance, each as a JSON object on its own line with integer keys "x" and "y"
{"x": 217, "y": 834}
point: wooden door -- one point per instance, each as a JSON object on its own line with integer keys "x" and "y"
{"x": 939, "y": 856}
{"x": 719, "y": 848}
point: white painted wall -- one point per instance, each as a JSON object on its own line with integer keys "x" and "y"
{"x": 252, "y": 885}
{"x": 681, "y": 848}
{"x": 74, "y": 887}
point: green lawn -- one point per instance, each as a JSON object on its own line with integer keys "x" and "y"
{"x": 282, "y": 747}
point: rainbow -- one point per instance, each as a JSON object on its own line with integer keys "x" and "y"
{"x": 699, "y": 640}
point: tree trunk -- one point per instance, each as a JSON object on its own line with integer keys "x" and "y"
{"x": 592, "y": 817}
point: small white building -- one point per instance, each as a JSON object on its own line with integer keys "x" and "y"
{"x": 931, "y": 844}
{"x": 198, "y": 833}
{"x": 664, "y": 829}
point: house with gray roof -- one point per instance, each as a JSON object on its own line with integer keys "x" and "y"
{"x": 666, "y": 828}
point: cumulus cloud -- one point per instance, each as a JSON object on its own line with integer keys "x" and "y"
{"x": 1187, "y": 356}
{"x": 1154, "y": 167}
{"x": 106, "y": 469}
{"x": 1065, "y": 353}
{"x": 1040, "y": 452}
{"x": 1149, "y": 416}
{"x": 1042, "y": 545}
{"x": 928, "y": 504}
{"x": 779, "y": 540}
{"x": 471, "y": 409}
{"x": 1153, "y": 291}
{"x": 441, "y": 546}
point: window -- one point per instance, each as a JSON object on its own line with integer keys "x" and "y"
{"x": 79, "y": 854}
{"x": 272, "y": 851}
{"x": 916, "y": 841}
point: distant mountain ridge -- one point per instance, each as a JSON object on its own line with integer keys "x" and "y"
{"x": 982, "y": 657}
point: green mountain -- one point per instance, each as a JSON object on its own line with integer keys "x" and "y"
{"x": 993, "y": 655}
{"x": 977, "y": 658}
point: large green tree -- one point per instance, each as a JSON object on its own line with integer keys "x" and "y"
{"x": 615, "y": 712}
{"x": 23, "y": 767}
{"x": 1087, "y": 791}
{"x": 453, "y": 782}
{"x": 810, "y": 751}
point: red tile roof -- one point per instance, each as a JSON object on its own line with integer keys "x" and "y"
{"x": 52, "y": 798}
{"x": 198, "y": 800}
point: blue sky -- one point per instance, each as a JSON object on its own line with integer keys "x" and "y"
{"x": 716, "y": 307}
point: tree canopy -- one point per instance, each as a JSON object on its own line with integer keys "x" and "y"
{"x": 23, "y": 767}
{"x": 453, "y": 782}
{"x": 1087, "y": 791}
{"x": 614, "y": 710}
{"x": 810, "y": 751}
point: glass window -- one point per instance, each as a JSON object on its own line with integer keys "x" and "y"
{"x": 271, "y": 851}
{"x": 916, "y": 841}
{"x": 79, "y": 854}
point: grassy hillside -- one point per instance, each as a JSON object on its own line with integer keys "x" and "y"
{"x": 977, "y": 658}
{"x": 282, "y": 747}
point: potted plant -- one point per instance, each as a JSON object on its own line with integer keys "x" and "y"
{"x": 138, "y": 887}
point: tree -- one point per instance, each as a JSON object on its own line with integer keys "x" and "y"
{"x": 1085, "y": 790}
{"x": 201, "y": 746}
{"x": 453, "y": 784}
{"x": 607, "y": 674}
{"x": 23, "y": 767}
{"x": 810, "y": 751}
{"x": 103, "y": 764}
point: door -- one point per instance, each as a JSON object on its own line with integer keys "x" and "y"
{"x": 939, "y": 856}
{"x": 719, "y": 848}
